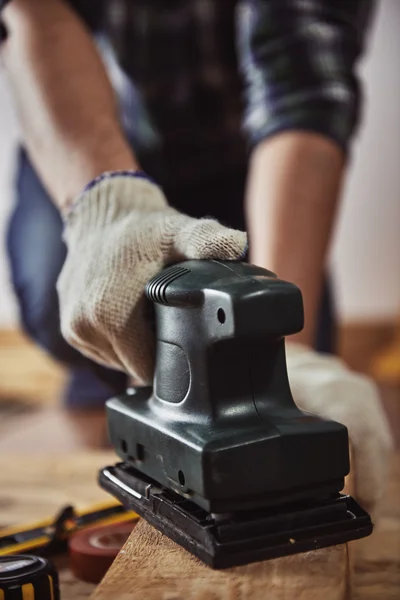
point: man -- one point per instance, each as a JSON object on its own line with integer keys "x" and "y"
{"x": 218, "y": 101}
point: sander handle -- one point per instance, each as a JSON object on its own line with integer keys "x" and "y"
{"x": 220, "y": 329}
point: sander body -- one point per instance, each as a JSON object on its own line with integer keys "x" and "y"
{"x": 216, "y": 454}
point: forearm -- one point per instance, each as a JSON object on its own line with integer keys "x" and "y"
{"x": 65, "y": 102}
{"x": 302, "y": 108}
{"x": 292, "y": 197}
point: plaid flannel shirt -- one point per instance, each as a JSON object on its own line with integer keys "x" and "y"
{"x": 201, "y": 81}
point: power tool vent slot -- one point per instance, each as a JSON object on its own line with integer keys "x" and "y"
{"x": 156, "y": 288}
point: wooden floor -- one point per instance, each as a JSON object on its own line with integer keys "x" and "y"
{"x": 49, "y": 458}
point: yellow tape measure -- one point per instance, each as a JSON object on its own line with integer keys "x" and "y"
{"x": 26, "y": 577}
{"x": 50, "y": 535}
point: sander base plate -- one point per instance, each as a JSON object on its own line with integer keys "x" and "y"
{"x": 243, "y": 537}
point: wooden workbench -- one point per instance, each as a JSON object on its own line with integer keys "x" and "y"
{"x": 45, "y": 463}
{"x": 152, "y": 567}
{"x": 36, "y": 487}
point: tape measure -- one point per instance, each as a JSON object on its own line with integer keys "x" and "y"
{"x": 50, "y": 535}
{"x": 26, "y": 577}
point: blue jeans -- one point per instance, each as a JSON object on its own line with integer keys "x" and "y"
{"x": 37, "y": 253}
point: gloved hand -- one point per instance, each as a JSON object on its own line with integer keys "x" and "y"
{"x": 323, "y": 385}
{"x": 120, "y": 233}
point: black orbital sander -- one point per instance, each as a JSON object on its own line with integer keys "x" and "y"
{"x": 216, "y": 455}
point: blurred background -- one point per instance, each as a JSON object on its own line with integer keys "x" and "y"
{"x": 365, "y": 255}
{"x": 49, "y": 457}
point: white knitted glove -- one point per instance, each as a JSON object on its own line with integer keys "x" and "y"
{"x": 323, "y": 385}
{"x": 120, "y": 234}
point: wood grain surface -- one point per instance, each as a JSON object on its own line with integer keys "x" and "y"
{"x": 153, "y": 567}
{"x": 47, "y": 460}
{"x": 36, "y": 487}
{"x": 375, "y": 561}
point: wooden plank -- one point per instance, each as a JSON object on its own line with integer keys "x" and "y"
{"x": 151, "y": 566}
{"x": 375, "y": 561}
{"x": 36, "y": 486}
